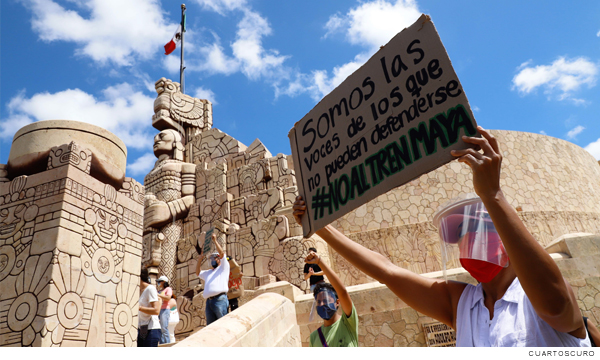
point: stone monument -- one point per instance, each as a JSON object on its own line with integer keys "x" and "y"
{"x": 206, "y": 179}
{"x": 70, "y": 238}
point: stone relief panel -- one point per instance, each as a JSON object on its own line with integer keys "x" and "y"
{"x": 211, "y": 145}
{"x": 415, "y": 247}
{"x": 211, "y": 182}
{"x": 72, "y": 154}
{"x": 263, "y": 204}
{"x": 282, "y": 176}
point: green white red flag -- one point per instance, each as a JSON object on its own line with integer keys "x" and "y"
{"x": 175, "y": 41}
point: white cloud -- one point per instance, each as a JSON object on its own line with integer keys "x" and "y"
{"x": 247, "y": 52}
{"x": 370, "y": 25}
{"x": 594, "y": 149}
{"x": 217, "y": 62}
{"x": 574, "y": 132}
{"x": 334, "y": 24}
{"x": 598, "y": 34}
{"x": 105, "y": 30}
{"x": 373, "y": 24}
{"x": 120, "y": 109}
{"x": 560, "y": 79}
{"x": 543, "y": 132}
{"x": 141, "y": 165}
{"x": 221, "y": 6}
{"x": 202, "y": 93}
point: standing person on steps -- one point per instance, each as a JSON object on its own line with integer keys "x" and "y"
{"x": 216, "y": 282}
{"x": 313, "y": 273}
{"x": 165, "y": 293}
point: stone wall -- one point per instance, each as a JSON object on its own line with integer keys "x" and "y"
{"x": 269, "y": 320}
{"x": 70, "y": 254}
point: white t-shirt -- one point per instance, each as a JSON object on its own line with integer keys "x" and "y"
{"x": 148, "y": 295}
{"x": 515, "y": 322}
{"x": 216, "y": 281}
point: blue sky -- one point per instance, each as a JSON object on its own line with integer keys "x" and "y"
{"x": 528, "y": 66}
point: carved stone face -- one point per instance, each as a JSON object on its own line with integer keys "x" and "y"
{"x": 11, "y": 220}
{"x": 164, "y": 143}
{"x": 106, "y": 226}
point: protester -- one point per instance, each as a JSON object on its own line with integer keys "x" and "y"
{"x": 313, "y": 273}
{"x": 337, "y": 330}
{"x": 149, "y": 308}
{"x": 173, "y": 318}
{"x": 236, "y": 288}
{"x": 527, "y": 303}
{"x": 165, "y": 293}
{"x": 215, "y": 284}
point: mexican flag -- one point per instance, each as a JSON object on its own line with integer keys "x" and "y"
{"x": 175, "y": 41}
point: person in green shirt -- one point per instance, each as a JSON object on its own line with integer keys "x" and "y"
{"x": 337, "y": 330}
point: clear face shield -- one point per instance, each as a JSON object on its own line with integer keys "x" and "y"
{"x": 324, "y": 304}
{"x": 467, "y": 232}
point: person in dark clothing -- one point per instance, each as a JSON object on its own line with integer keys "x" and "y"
{"x": 313, "y": 273}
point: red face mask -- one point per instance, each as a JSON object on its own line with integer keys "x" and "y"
{"x": 472, "y": 253}
{"x": 482, "y": 271}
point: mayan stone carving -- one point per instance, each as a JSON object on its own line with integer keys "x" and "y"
{"x": 170, "y": 188}
{"x": 243, "y": 192}
{"x": 70, "y": 245}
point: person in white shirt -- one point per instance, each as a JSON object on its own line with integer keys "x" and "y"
{"x": 522, "y": 298}
{"x": 173, "y": 318}
{"x": 216, "y": 281}
{"x": 149, "y": 308}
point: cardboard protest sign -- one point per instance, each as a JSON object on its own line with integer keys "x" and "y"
{"x": 394, "y": 119}
{"x": 208, "y": 240}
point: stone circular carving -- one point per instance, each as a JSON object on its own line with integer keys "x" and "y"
{"x": 122, "y": 319}
{"x": 31, "y": 213}
{"x": 70, "y": 310}
{"x": 22, "y": 312}
{"x": 293, "y": 250}
{"x": 7, "y": 260}
{"x": 103, "y": 265}
{"x": 90, "y": 216}
{"x": 122, "y": 230}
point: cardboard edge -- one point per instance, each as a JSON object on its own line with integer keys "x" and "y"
{"x": 307, "y": 229}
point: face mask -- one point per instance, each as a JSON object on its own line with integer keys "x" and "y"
{"x": 482, "y": 271}
{"x": 326, "y": 311}
{"x": 482, "y": 259}
{"x": 214, "y": 263}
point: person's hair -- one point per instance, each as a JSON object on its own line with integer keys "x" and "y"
{"x": 312, "y": 249}
{"x": 173, "y": 296}
{"x": 165, "y": 284}
{"x": 324, "y": 285}
{"x": 144, "y": 276}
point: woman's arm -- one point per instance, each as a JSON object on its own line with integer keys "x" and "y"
{"x": 538, "y": 274}
{"x": 335, "y": 281}
{"x": 434, "y": 298}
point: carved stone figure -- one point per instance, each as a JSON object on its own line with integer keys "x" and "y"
{"x": 170, "y": 189}
{"x": 174, "y": 110}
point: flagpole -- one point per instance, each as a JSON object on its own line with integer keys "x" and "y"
{"x": 182, "y": 68}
